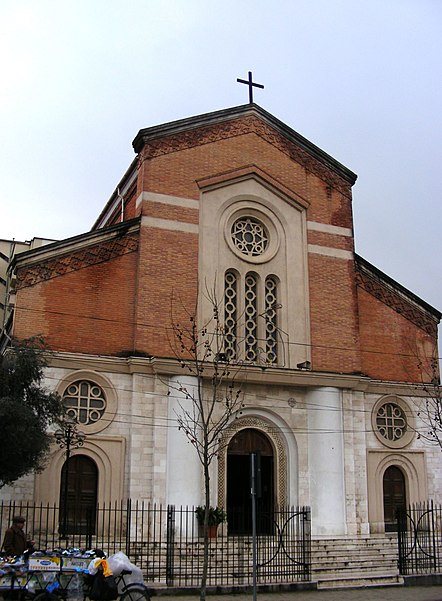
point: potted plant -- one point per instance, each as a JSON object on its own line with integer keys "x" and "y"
{"x": 216, "y": 516}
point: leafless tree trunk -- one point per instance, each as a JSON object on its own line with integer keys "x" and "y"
{"x": 214, "y": 400}
{"x": 430, "y": 409}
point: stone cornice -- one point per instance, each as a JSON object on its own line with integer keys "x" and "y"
{"x": 250, "y": 118}
{"x": 395, "y": 296}
{"x": 171, "y": 367}
{"x": 252, "y": 375}
{"x": 252, "y": 172}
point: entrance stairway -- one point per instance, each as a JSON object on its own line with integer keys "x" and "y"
{"x": 355, "y": 562}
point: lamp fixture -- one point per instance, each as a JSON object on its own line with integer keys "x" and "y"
{"x": 305, "y": 365}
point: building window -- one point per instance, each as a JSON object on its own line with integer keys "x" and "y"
{"x": 250, "y": 236}
{"x": 230, "y": 314}
{"x": 391, "y": 421}
{"x": 250, "y": 318}
{"x": 271, "y": 306}
{"x": 85, "y": 402}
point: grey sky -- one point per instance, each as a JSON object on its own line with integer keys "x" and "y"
{"x": 361, "y": 79}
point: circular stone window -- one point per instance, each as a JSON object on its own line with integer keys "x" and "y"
{"x": 392, "y": 422}
{"x": 250, "y": 236}
{"x": 85, "y": 402}
{"x": 89, "y": 399}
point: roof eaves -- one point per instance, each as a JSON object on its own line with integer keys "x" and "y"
{"x": 63, "y": 247}
{"x": 204, "y": 120}
{"x": 364, "y": 264}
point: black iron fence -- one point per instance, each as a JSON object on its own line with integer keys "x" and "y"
{"x": 166, "y": 542}
{"x": 420, "y": 539}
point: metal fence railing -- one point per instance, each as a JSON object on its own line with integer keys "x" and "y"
{"x": 420, "y": 539}
{"x": 166, "y": 543}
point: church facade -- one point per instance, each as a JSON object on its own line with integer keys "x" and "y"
{"x": 332, "y": 352}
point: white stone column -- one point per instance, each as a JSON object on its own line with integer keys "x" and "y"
{"x": 184, "y": 475}
{"x": 326, "y": 461}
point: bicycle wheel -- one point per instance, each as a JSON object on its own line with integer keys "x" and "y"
{"x": 46, "y": 596}
{"x": 135, "y": 592}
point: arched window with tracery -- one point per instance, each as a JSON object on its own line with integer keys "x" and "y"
{"x": 230, "y": 314}
{"x": 251, "y": 318}
{"x": 271, "y": 319}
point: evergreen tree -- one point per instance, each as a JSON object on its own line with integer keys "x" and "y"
{"x": 26, "y": 410}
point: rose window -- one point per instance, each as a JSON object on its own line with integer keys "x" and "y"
{"x": 391, "y": 421}
{"x": 85, "y": 402}
{"x": 250, "y": 236}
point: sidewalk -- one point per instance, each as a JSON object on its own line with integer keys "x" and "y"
{"x": 392, "y": 593}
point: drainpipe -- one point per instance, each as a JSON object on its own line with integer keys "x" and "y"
{"x": 121, "y": 197}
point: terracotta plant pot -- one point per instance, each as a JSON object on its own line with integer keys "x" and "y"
{"x": 211, "y": 531}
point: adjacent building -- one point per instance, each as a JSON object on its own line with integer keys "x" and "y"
{"x": 8, "y": 250}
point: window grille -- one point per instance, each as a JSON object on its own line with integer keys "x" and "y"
{"x": 250, "y": 236}
{"x": 250, "y": 316}
{"x": 85, "y": 402}
{"x": 391, "y": 421}
{"x": 230, "y": 314}
{"x": 271, "y": 299}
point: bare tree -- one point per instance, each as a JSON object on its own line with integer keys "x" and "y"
{"x": 430, "y": 407}
{"x": 212, "y": 402}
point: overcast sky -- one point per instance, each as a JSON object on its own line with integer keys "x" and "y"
{"x": 361, "y": 79}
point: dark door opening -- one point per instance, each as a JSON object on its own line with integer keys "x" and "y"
{"x": 239, "y": 508}
{"x": 78, "y": 502}
{"x": 394, "y": 496}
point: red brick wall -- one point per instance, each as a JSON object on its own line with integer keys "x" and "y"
{"x": 333, "y": 315}
{"x": 177, "y": 174}
{"x": 167, "y": 287}
{"x": 392, "y": 345}
{"x": 90, "y": 310}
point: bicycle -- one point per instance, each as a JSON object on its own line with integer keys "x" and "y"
{"x": 134, "y": 591}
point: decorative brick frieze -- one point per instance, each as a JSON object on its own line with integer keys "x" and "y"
{"x": 238, "y": 127}
{"x": 91, "y": 255}
{"x": 397, "y": 301}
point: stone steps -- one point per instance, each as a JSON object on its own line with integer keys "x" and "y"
{"x": 335, "y": 563}
{"x": 360, "y": 582}
{"x": 355, "y": 562}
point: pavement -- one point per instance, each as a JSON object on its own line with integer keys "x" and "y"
{"x": 388, "y": 593}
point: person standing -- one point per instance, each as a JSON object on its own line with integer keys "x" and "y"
{"x": 15, "y": 541}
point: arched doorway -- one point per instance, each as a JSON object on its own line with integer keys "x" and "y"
{"x": 78, "y": 495}
{"x": 394, "y": 496}
{"x": 239, "y": 516}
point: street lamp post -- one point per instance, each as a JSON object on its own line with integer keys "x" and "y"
{"x": 69, "y": 438}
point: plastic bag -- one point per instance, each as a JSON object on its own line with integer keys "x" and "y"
{"x": 75, "y": 588}
{"x": 92, "y": 568}
{"x": 119, "y": 562}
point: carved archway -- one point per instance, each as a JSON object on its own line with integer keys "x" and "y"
{"x": 280, "y": 456}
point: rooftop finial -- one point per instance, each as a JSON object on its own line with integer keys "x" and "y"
{"x": 251, "y": 85}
